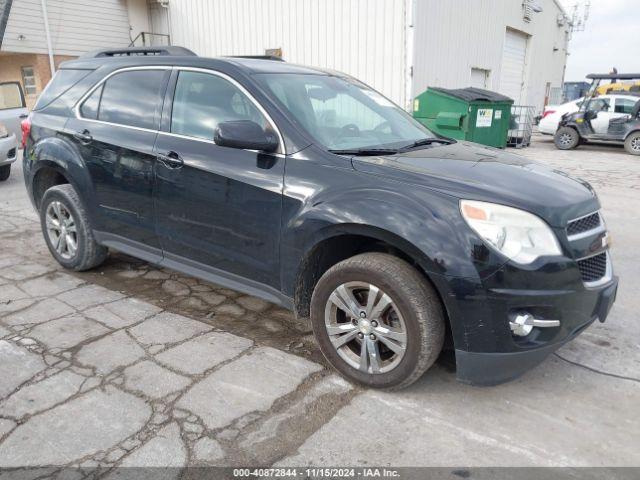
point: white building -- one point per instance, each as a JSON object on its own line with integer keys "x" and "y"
{"x": 397, "y": 46}
{"x": 515, "y": 47}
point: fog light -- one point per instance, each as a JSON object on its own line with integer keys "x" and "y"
{"x": 523, "y": 324}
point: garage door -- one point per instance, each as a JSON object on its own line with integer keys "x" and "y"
{"x": 514, "y": 55}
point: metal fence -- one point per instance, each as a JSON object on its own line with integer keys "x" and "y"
{"x": 555, "y": 96}
{"x": 150, "y": 39}
{"x": 521, "y": 126}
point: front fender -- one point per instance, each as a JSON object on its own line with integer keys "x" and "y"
{"x": 384, "y": 215}
{"x": 632, "y": 131}
{"x": 571, "y": 119}
{"x": 423, "y": 224}
{"x": 564, "y": 120}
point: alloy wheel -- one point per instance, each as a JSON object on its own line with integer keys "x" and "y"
{"x": 565, "y": 139}
{"x": 61, "y": 230}
{"x": 635, "y": 144}
{"x": 365, "y": 327}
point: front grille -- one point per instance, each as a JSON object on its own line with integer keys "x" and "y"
{"x": 593, "y": 268}
{"x": 12, "y": 153}
{"x": 584, "y": 224}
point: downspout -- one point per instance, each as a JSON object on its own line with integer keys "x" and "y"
{"x": 409, "y": 12}
{"x": 165, "y": 5}
{"x": 45, "y": 18}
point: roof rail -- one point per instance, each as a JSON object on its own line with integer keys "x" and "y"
{"x": 258, "y": 57}
{"x": 140, "y": 51}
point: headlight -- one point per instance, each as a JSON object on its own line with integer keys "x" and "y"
{"x": 518, "y": 235}
{"x": 3, "y": 131}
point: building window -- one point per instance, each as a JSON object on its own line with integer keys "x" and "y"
{"x": 29, "y": 81}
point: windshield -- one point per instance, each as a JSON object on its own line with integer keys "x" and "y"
{"x": 342, "y": 113}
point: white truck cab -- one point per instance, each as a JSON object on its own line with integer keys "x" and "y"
{"x": 13, "y": 110}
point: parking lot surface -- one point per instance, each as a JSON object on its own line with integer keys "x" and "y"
{"x": 131, "y": 365}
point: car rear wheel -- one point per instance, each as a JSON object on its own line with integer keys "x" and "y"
{"x": 5, "y": 172}
{"x": 632, "y": 143}
{"x": 67, "y": 230}
{"x": 566, "y": 138}
{"x": 377, "y": 320}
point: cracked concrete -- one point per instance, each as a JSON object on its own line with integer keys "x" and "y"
{"x": 70, "y": 431}
{"x": 131, "y": 365}
{"x": 251, "y": 383}
{"x": 106, "y": 354}
{"x": 206, "y": 351}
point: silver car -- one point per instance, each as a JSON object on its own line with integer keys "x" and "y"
{"x": 12, "y": 111}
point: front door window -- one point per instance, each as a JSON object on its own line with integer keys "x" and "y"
{"x": 201, "y": 101}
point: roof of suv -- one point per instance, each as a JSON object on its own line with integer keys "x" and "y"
{"x": 249, "y": 65}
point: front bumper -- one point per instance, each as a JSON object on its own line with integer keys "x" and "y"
{"x": 480, "y": 310}
{"x": 482, "y": 368}
{"x": 8, "y": 150}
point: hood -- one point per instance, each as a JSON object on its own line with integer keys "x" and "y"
{"x": 474, "y": 172}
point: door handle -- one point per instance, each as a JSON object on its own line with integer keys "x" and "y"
{"x": 23, "y": 116}
{"x": 84, "y": 137}
{"x": 171, "y": 159}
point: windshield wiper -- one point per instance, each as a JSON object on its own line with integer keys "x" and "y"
{"x": 366, "y": 151}
{"x": 427, "y": 141}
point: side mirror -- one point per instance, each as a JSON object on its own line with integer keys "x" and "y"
{"x": 245, "y": 134}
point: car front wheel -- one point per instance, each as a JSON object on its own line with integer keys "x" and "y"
{"x": 632, "y": 143}
{"x": 67, "y": 230}
{"x": 377, "y": 320}
{"x": 566, "y": 138}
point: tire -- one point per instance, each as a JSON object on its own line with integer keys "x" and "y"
{"x": 566, "y": 138}
{"x": 58, "y": 202}
{"x": 415, "y": 309}
{"x": 632, "y": 143}
{"x": 5, "y": 172}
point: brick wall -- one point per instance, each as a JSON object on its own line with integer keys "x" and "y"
{"x": 11, "y": 64}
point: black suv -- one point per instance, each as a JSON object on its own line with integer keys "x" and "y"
{"x": 309, "y": 189}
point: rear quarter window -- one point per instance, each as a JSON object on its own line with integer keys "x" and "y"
{"x": 89, "y": 108}
{"x": 62, "y": 81}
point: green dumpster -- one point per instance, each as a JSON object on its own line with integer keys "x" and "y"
{"x": 472, "y": 114}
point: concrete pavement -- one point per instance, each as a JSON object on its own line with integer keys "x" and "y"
{"x": 131, "y": 365}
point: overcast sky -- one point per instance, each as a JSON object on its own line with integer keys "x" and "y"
{"x": 611, "y": 39}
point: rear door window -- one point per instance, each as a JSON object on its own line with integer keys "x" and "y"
{"x": 11, "y": 96}
{"x": 624, "y": 105}
{"x": 62, "y": 81}
{"x": 131, "y": 98}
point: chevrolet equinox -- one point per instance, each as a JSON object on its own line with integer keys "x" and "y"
{"x": 307, "y": 188}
